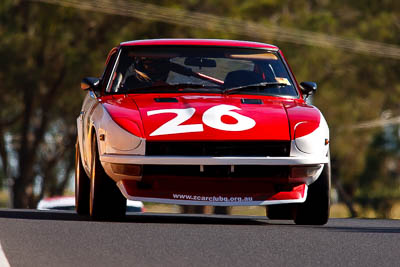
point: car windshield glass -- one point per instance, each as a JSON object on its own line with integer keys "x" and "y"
{"x": 169, "y": 69}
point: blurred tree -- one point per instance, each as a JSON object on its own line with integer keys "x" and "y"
{"x": 378, "y": 185}
{"x": 44, "y": 53}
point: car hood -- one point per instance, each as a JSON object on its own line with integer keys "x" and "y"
{"x": 206, "y": 117}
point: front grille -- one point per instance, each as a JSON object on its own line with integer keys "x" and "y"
{"x": 218, "y": 149}
{"x": 238, "y": 171}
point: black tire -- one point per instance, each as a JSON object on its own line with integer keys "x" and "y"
{"x": 82, "y": 185}
{"x": 315, "y": 210}
{"x": 106, "y": 200}
{"x": 280, "y": 212}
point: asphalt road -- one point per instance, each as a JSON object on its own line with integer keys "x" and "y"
{"x": 41, "y": 238}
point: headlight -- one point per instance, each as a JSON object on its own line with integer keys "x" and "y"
{"x": 120, "y": 139}
{"x": 315, "y": 142}
{"x": 128, "y": 125}
{"x": 116, "y": 136}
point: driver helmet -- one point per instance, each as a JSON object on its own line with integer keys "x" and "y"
{"x": 156, "y": 68}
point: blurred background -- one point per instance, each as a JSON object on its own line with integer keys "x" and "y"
{"x": 350, "y": 48}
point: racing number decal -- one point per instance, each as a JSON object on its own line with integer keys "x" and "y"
{"x": 174, "y": 126}
{"x": 211, "y": 117}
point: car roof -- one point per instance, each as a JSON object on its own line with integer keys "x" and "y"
{"x": 199, "y": 42}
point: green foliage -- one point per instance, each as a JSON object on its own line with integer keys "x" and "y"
{"x": 379, "y": 182}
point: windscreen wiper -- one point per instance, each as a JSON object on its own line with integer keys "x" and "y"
{"x": 255, "y": 85}
{"x": 168, "y": 87}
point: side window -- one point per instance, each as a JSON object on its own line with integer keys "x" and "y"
{"x": 109, "y": 70}
{"x": 124, "y": 69}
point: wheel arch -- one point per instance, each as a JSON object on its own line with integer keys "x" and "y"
{"x": 92, "y": 134}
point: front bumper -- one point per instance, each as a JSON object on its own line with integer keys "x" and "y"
{"x": 179, "y": 160}
{"x": 190, "y": 188}
{"x": 269, "y": 196}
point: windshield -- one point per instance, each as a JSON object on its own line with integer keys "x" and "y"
{"x": 200, "y": 69}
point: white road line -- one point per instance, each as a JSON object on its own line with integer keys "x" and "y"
{"x": 3, "y": 258}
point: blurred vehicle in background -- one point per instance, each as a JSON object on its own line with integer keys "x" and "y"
{"x": 68, "y": 203}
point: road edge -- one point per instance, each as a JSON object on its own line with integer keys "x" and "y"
{"x": 3, "y": 259}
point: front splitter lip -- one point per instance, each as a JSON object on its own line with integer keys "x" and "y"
{"x": 185, "y": 160}
{"x": 274, "y": 200}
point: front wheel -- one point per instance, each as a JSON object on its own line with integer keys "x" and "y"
{"x": 315, "y": 210}
{"x": 82, "y": 185}
{"x": 106, "y": 200}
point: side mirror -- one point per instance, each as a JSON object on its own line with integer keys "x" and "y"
{"x": 308, "y": 88}
{"x": 90, "y": 83}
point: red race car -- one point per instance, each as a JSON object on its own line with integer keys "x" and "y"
{"x": 201, "y": 122}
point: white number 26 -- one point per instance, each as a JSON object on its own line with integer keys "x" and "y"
{"x": 211, "y": 117}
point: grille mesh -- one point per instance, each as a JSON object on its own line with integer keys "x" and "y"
{"x": 218, "y": 149}
{"x": 186, "y": 171}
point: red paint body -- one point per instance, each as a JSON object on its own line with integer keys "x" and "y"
{"x": 197, "y": 42}
{"x": 275, "y": 117}
{"x": 265, "y": 118}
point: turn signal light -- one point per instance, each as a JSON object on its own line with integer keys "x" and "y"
{"x": 127, "y": 169}
{"x": 304, "y": 171}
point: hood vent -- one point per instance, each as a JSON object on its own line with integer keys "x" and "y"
{"x": 166, "y": 100}
{"x": 251, "y": 101}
